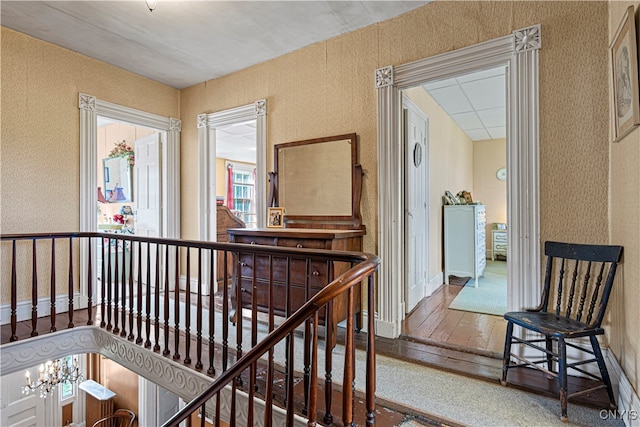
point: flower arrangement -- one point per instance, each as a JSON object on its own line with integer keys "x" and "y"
{"x": 123, "y": 150}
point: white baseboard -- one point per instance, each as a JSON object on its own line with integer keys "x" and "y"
{"x": 194, "y": 285}
{"x": 627, "y": 399}
{"x": 386, "y": 329}
{"x": 434, "y": 283}
{"x": 23, "y": 308}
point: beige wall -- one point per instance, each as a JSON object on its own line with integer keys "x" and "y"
{"x": 450, "y": 168}
{"x": 40, "y": 133}
{"x": 624, "y": 225}
{"x": 490, "y": 155}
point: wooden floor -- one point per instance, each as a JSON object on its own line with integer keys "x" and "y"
{"x": 432, "y": 322}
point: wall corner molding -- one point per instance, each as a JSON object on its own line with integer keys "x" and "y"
{"x": 86, "y": 102}
{"x": 526, "y": 39}
{"x": 384, "y": 76}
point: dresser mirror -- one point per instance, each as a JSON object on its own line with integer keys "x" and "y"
{"x": 318, "y": 182}
{"x": 117, "y": 179}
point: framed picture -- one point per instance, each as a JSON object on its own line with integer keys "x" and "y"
{"x": 275, "y": 218}
{"x": 624, "y": 73}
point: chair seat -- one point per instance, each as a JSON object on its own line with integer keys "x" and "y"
{"x": 550, "y": 324}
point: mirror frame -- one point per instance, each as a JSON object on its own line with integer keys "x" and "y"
{"x": 353, "y": 221}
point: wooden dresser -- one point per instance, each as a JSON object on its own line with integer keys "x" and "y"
{"x": 342, "y": 240}
{"x": 225, "y": 220}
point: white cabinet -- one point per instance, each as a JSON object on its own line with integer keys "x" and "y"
{"x": 499, "y": 243}
{"x": 464, "y": 241}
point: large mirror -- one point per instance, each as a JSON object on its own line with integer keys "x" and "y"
{"x": 318, "y": 180}
{"x": 117, "y": 179}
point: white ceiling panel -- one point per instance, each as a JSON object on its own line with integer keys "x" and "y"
{"x": 475, "y": 101}
{"x": 477, "y": 134}
{"x": 467, "y": 120}
{"x": 493, "y": 117}
{"x": 497, "y": 132}
{"x": 486, "y": 93}
{"x": 480, "y": 75}
{"x": 452, "y": 99}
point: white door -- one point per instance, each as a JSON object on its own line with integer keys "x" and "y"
{"x": 147, "y": 199}
{"x": 16, "y": 409}
{"x": 416, "y": 237}
{"x": 147, "y": 193}
{"x": 168, "y": 405}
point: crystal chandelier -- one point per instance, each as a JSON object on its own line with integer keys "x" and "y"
{"x": 53, "y": 373}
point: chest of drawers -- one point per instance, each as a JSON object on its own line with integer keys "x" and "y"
{"x": 295, "y": 283}
{"x": 464, "y": 241}
{"x": 499, "y": 243}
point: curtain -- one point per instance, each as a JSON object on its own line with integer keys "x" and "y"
{"x": 230, "y": 186}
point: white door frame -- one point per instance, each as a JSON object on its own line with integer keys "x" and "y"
{"x": 90, "y": 108}
{"x": 207, "y": 124}
{"x": 519, "y": 53}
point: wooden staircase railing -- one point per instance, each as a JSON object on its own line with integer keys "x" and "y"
{"x": 130, "y": 286}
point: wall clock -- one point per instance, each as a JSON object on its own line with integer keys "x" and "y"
{"x": 501, "y": 174}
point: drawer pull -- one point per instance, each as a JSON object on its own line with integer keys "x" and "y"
{"x": 253, "y": 242}
{"x": 243, "y": 264}
{"x": 299, "y": 245}
{"x": 316, "y": 273}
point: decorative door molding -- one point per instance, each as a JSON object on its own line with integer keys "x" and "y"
{"x": 518, "y": 52}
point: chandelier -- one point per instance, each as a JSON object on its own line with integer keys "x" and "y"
{"x": 53, "y": 373}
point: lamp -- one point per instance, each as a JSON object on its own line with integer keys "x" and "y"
{"x": 119, "y": 194}
{"x": 151, "y": 4}
{"x": 52, "y": 373}
{"x": 101, "y": 198}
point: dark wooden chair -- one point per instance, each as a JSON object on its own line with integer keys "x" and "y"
{"x": 580, "y": 277}
{"x": 120, "y": 418}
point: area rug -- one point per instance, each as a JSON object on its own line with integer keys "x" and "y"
{"x": 490, "y": 297}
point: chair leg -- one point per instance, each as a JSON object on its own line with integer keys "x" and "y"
{"x": 507, "y": 353}
{"x": 549, "y": 343}
{"x": 562, "y": 376}
{"x": 604, "y": 373}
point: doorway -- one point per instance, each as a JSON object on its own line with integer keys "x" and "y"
{"x": 518, "y": 53}
{"x": 469, "y": 145}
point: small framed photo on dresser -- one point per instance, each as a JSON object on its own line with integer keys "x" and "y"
{"x": 275, "y": 218}
{"x": 624, "y": 75}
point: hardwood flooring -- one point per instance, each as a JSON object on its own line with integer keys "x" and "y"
{"x": 432, "y": 322}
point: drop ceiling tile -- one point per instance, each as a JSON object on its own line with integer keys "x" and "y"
{"x": 477, "y": 134}
{"x": 467, "y": 120}
{"x": 486, "y": 93}
{"x": 479, "y": 75}
{"x": 493, "y": 117}
{"x": 498, "y": 132}
{"x": 451, "y": 99}
{"x": 438, "y": 84}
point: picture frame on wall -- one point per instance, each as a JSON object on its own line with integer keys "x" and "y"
{"x": 275, "y": 218}
{"x": 624, "y": 77}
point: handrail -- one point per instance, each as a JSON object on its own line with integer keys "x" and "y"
{"x": 138, "y": 277}
{"x": 311, "y": 307}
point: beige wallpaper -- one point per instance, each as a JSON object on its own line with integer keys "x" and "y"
{"x": 40, "y": 134}
{"x": 450, "y": 168}
{"x": 488, "y": 156}
{"x": 624, "y": 225}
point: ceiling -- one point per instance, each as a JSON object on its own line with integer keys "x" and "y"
{"x": 475, "y": 101}
{"x": 237, "y": 142}
{"x": 182, "y": 43}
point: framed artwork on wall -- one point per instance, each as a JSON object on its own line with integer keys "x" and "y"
{"x": 275, "y": 218}
{"x": 624, "y": 74}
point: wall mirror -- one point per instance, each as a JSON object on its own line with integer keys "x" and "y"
{"x": 117, "y": 179}
{"x": 318, "y": 181}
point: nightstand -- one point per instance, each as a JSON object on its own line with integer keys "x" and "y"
{"x": 499, "y": 243}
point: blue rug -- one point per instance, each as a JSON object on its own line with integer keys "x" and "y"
{"x": 490, "y": 297}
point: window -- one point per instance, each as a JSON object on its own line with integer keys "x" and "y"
{"x": 244, "y": 193}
